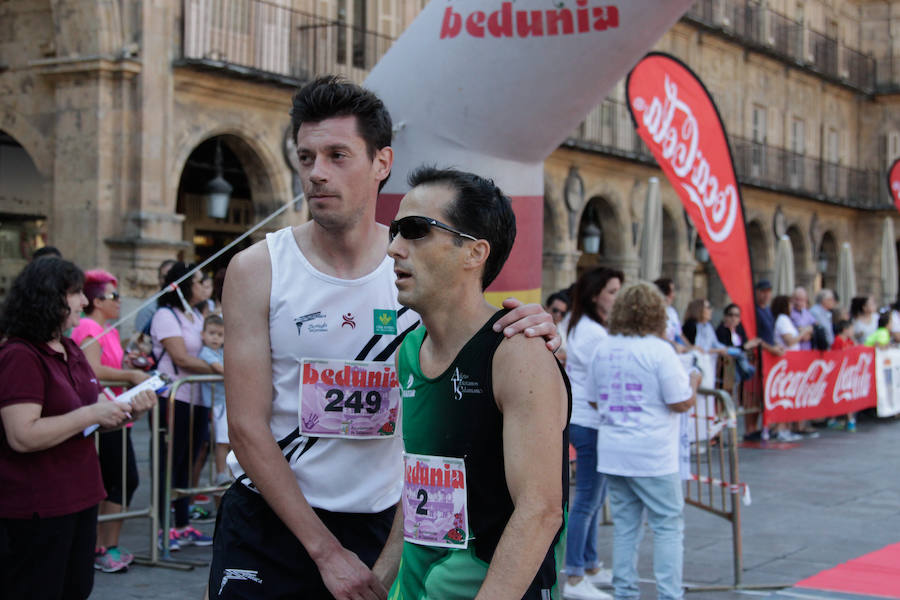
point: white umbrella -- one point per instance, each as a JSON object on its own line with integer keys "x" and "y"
{"x": 888, "y": 262}
{"x": 651, "y": 238}
{"x": 846, "y": 276}
{"x": 784, "y": 267}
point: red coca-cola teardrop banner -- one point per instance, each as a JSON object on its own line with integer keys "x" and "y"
{"x": 808, "y": 384}
{"x": 677, "y": 119}
{"x": 894, "y": 183}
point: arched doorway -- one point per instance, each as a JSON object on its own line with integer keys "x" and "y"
{"x": 243, "y": 170}
{"x": 759, "y": 251}
{"x": 671, "y": 244}
{"x": 599, "y": 219}
{"x": 827, "y": 259}
{"x": 24, "y": 208}
{"x": 802, "y": 277}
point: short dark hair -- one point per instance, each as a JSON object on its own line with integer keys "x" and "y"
{"x": 843, "y": 325}
{"x": 35, "y": 308}
{"x": 561, "y": 296}
{"x": 331, "y": 96}
{"x": 480, "y": 209}
{"x": 171, "y": 299}
{"x": 665, "y": 285}
{"x": 213, "y": 320}
{"x": 857, "y": 304}
{"x": 46, "y": 251}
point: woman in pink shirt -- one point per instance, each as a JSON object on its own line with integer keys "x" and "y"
{"x": 106, "y": 357}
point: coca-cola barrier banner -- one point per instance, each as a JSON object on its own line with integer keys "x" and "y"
{"x": 677, "y": 119}
{"x": 809, "y": 384}
{"x": 894, "y": 182}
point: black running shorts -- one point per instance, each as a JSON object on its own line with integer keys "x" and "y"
{"x": 256, "y": 556}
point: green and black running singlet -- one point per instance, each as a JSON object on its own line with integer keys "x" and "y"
{"x": 456, "y": 502}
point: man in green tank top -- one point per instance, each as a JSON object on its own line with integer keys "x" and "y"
{"x": 484, "y": 419}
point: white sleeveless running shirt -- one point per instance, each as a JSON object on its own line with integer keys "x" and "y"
{"x": 314, "y": 315}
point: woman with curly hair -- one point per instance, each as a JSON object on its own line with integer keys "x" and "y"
{"x": 104, "y": 352}
{"x": 593, "y": 298}
{"x": 640, "y": 387}
{"x": 49, "y": 471}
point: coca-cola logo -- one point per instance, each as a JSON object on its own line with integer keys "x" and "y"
{"x": 787, "y": 389}
{"x": 672, "y": 126}
{"x": 853, "y": 381}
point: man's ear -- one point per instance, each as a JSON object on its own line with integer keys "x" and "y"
{"x": 384, "y": 160}
{"x": 478, "y": 254}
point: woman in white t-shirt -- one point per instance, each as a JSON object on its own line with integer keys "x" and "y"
{"x": 786, "y": 333}
{"x": 592, "y": 302}
{"x": 641, "y": 388}
{"x": 176, "y": 330}
{"x": 864, "y": 315}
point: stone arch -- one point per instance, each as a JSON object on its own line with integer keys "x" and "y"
{"x": 38, "y": 145}
{"x": 267, "y": 187}
{"x": 761, "y": 247}
{"x": 673, "y": 244}
{"x": 802, "y": 275}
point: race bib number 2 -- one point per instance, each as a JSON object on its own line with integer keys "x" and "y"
{"x": 434, "y": 501}
{"x": 348, "y": 399}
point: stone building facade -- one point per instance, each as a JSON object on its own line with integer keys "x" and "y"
{"x": 112, "y": 111}
{"x": 807, "y": 91}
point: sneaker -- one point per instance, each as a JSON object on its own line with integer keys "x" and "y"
{"x": 121, "y": 554}
{"x": 103, "y": 561}
{"x": 851, "y": 427}
{"x": 835, "y": 424}
{"x": 198, "y": 514}
{"x": 603, "y": 577}
{"x": 192, "y": 537}
{"x": 173, "y": 540}
{"x": 787, "y": 436}
{"x": 583, "y": 590}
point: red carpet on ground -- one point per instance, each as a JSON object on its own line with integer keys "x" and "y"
{"x": 874, "y": 574}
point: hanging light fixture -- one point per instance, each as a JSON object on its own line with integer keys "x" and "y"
{"x": 218, "y": 190}
{"x": 822, "y": 262}
{"x": 591, "y": 234}
{"x": 701, "y": 252}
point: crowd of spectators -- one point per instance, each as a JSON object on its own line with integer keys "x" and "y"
{"x": 57, "y": 349}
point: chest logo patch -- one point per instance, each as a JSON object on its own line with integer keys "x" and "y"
{"x": 313, "y": 327}
{"x": 463, "y": 384}
{"x": 348, "y": 321}
{"x": 385, "y": 322}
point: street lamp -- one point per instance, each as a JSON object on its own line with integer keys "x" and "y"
{"x": 591, "y": 234}
{"x": 822, "y": 262}
{"x": 702, "y": 253}
{"x": 218, "y": 190}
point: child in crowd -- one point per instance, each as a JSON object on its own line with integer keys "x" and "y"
{"x": 843, "y": 338}
{"x": 213, "y": 353}
{"x": 843, "y": 335}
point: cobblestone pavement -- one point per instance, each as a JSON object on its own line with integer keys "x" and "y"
{"x": 814, "y": 505}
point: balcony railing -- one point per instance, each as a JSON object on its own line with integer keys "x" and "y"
{"x": 765, "y": 30}
{"x": 267, "y": 38}
{"x": 608, "y": 129}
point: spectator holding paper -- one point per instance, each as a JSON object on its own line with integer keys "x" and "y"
{"x": 51, "y": 476}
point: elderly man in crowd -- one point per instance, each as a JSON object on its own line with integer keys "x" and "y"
{"x": 822, "y": 313}
{"x": 800, "y": 315}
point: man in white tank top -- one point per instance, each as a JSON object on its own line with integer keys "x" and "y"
{"x": 319, "y": 467}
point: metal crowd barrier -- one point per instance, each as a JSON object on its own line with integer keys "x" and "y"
{"x": 156, "y": 557}
{"x": 715, "y": 484}
{"x": 176, "y": 493}
{"x": 149, "y": 512}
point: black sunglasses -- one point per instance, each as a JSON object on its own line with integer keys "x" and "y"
{"x": 109, "y": 296}
{"x": 415, "y": 228}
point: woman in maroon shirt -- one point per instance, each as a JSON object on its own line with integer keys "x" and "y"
{"x": 49, "y": 471}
